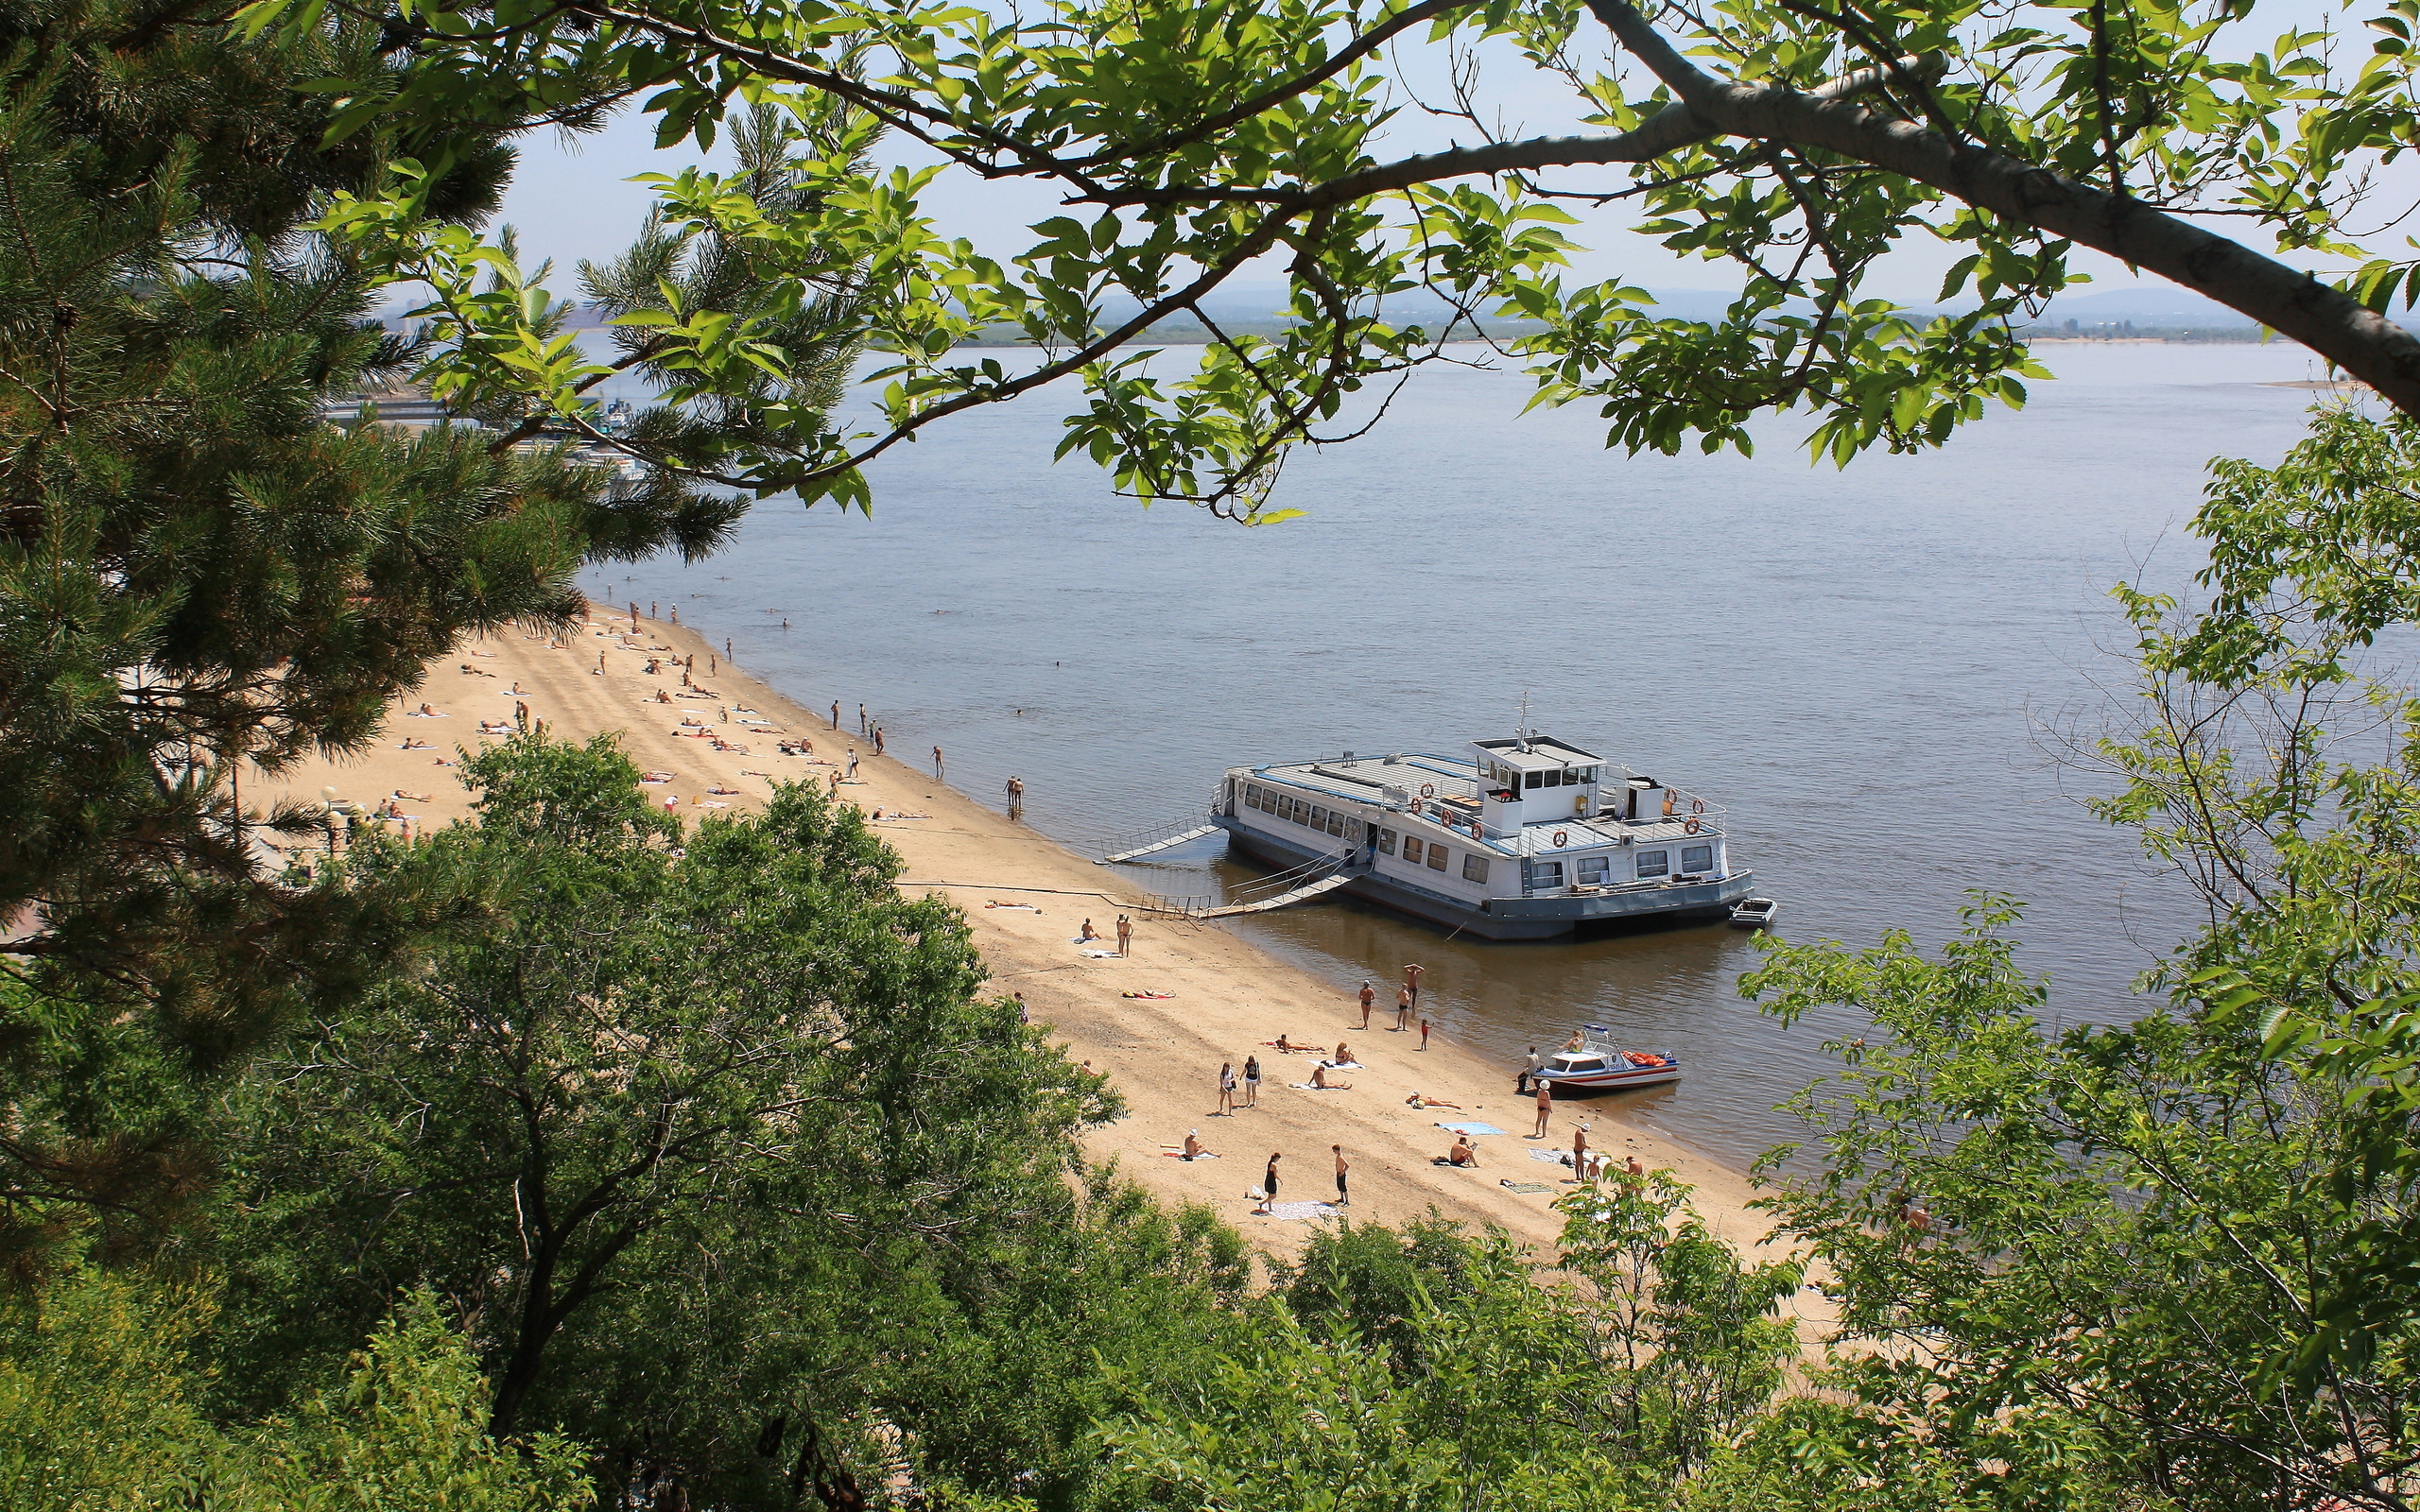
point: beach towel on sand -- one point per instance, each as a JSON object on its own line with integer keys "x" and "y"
{"x": 1297, "y": 1211}
{"x": 1551, "y": 1157}
{"x": 1471, "y": 1128}
{"x": 1342, "y": 1065}
{"x": 1101, "y": 956}
{"x": 1526, "y": 1187}
{"x": 1162, "y": 996}
{"x": 1306, "y": 1086}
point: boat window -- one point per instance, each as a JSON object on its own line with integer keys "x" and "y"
{"x": 1411, "y": 849}
{"x": 1436, "y": 856}
{"x": 1546, "y": 873}
{"x": 1592, "y": 1064}
{"x": 1531, "y": 778}
{"x": 1474, "y": 867}
{"x": 1697, "y": 858}
{"x": 1335, "y": 822}
{"x": 1654, "y": 862}
{"x": 1387, "y": 841}
{"x": 1318, "y": 817}
{"x": 1592, "y": 871}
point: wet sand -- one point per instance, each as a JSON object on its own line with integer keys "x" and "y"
{"x": 1226, "y": 998}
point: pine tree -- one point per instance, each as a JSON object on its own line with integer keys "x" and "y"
{"x": 200, "y": 575}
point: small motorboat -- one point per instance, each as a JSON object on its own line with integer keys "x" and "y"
{"x": 1596, "y": 1062}
{"x": 1753, "y": 912}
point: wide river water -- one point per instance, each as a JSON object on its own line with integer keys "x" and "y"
{"x": 1860, "y": 665}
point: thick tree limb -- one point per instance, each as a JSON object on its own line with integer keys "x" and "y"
{"x": 2329, "y": 320}
{"x": 1669, "y": 130}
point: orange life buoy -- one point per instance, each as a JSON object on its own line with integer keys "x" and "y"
{"x": 1638, "y": 1059}
{"x": 1427, "y": 790}
{"x": 1561, "y": 837}
{"x": 1690, "y": 828}
{"x": 1697, "y": 805}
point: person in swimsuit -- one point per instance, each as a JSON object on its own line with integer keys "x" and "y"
{"x": 1193, "y": 1150}
{"x": 1252, "y": 1081}
{"x": 1369, "y": 996}
{"x": 1403, "y": 1007}
{"x": 1268, "y": 1184}
{"x": 1464, "y": 1152}
{"x": 1318, "y": 1079}
{"x": 1546, "y": 1108}
{"x": 1343, "y": 1198}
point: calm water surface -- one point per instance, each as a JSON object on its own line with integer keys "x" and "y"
{"x": 1856, "y": 663}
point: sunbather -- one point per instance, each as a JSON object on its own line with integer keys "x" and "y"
{"x": 1318, "y": 1079}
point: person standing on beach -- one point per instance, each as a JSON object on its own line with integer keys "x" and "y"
{"x": 1125, "y": 935}
{"x": 836, "y": 713}
{"x": 676, "y": 613}
{"x": 1546, "y": 1107}
{"x": 1403, "y": 1007}
{"x": 1528, "y": 1072}
{"x": 861, "y": 719}
{"x": 1369, "y": 996}
{"x": 726, "y": 645}
{"x": 1226, "y": 1090}
{"x": 651, "y": 609}
{"x": 634, "y": 613}
{"x": 1252, "y": 1081}
{"x": 1424, "y": 1034}
{"x": 878, "y": 746}
{"x": 1411, "y": 975}
{"x": 1580, "y": 1153}
{"x": 852, "y": 765}
{"x": 937, "y": 763}
{"x": 1016, "y": 797}
{"x": 1269, "y": 1183}
{"x": 1343, "y": 1198}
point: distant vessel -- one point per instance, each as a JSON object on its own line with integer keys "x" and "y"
{"x": 1523, "y": 838}
{"x": 1595, "y": 1062}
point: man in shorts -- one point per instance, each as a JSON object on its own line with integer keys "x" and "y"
{"x": 1343, "y": 1198}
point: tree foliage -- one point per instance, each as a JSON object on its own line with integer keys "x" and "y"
{"x": 201, "y": 577}
{"x": 1797, "y": 142}
{"x": 102, "y": 1405}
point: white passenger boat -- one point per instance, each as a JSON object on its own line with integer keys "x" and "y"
{"x": 1523, "y": 838}
{"x": 1598, "y": 1062}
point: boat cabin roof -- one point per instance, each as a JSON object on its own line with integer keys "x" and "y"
{"x": 1537, "y": 753}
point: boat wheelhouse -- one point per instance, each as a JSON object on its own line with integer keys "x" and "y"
{"x": 1522, "y": 838}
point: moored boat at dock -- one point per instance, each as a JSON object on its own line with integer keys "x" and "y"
{"x": 1523, "y": 838}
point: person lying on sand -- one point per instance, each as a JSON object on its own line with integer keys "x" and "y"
{"x": 413, "y": 745}
{"x": 995, "y": 902}
{"x": 1318, "y": 1079}
{"x": 1281, "y": 1043}
{"x": 1418, "y": 1101}
{"x": 724, "y": 792}
{"x": 414, "y": 797}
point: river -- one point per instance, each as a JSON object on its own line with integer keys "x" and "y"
{"x": 1858, "y": 663}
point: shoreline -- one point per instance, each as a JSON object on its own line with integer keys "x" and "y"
{"x": 1227, "y": 996}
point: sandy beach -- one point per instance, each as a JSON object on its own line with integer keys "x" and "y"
{"x": 1025, "y": 898}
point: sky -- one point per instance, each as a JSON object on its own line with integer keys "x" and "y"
{"x": 572, "y": 197}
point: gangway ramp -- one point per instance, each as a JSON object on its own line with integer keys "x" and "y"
{"x": 1168, "y": 843}
{"x": 1310, "y": 889}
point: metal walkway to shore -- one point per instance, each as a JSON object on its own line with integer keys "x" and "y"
{"x": 1310, "y": 889}
{"x": 1171, "y": 841}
